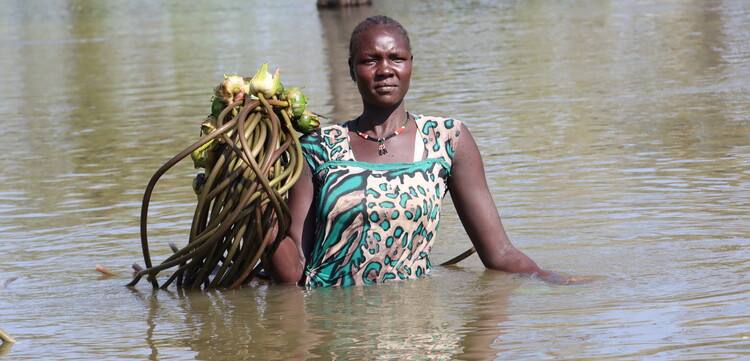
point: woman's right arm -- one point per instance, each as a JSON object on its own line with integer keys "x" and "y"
{"x": 287, "y": 264}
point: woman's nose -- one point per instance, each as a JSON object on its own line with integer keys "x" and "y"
{"x": 384, "y": 68}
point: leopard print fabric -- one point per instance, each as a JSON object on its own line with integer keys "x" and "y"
{"x": 376, "y": 222}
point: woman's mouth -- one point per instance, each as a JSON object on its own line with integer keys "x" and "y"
{"x": 385, "y": 87}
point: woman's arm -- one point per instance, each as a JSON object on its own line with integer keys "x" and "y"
{"x": 288, "y": 262}
{"x": 478, "y": 213}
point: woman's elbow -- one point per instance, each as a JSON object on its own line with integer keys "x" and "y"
{"x": 286, "y": 265}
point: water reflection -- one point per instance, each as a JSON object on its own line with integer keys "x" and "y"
{"x": 337, "y": 27}
{"x": 270, "y": 324}
{"x": 615, "y": 137}
{"x": 279, "y": 322}
{"x": 5, "y": 348}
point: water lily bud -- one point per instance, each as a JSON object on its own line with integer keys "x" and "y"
{"x": 230, "y": 87}
{"x": 277, "y": 86}
{"x": 306, "y": 123}
{"x": 208, "y": 125}
{"x": 200, "y": 156}
{"x": 264, "y": 83}
{"x": 297, "y": 101}
{"x": 217, "y": 105}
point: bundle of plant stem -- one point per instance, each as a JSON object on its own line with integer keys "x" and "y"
{"x": 252, "y": 157}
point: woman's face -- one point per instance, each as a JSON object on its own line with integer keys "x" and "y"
{"x": 382, "y": 67}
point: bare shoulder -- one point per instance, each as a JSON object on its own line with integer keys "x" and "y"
{"x": 467, "y": 156}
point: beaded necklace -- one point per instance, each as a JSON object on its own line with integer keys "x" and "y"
{"x": 381, "y": 141}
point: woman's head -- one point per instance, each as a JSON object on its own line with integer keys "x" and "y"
{"x": 380, "y": 61}
{"x": 377, "y": 21}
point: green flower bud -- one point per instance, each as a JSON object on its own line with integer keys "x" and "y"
{"x": 200, "y": 155}
{"x": 279, "y": 88}
{"x": 297, "y": 101}
{"x": 208, "y": 125}
{"x": 217, "y": 105}
{"x": 306, "y": 123}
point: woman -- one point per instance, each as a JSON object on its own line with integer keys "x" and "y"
{"x": 366, "y": 207}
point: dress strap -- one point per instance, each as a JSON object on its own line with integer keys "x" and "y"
{"x": 418, "y": 147}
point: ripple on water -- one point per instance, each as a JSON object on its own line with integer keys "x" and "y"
{"x": 615, "y": 143}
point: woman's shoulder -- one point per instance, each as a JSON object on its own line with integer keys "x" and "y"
{"x": 325, "y": 131}
{"x": 450, "y": 127}
{"x": 440, "y": 135}
{"x": 327, "y": 142}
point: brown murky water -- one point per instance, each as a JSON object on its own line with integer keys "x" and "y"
{"x": 616, "y": 137}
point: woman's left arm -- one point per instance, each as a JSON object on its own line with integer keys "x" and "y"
{"x": 480, "y": 218}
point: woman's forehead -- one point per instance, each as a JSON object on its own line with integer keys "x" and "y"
{"x": 382, "y": 36}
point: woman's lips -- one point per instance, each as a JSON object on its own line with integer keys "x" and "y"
{"x": 385, "y": 87}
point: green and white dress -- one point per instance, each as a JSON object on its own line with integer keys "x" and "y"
{"x": 376, "y": 222}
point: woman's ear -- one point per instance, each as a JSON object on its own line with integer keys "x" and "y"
{"x": 351, "y": 70}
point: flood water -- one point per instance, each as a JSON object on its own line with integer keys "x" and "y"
{"x": 615, "y": 135}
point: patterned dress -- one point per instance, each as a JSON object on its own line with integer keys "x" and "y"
{"x": 376, "y": 222}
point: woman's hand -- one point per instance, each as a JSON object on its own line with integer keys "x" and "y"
{"x": 558, "y": 279}
{"x": 287, "y": 264}
{"x": 239, "y": 96}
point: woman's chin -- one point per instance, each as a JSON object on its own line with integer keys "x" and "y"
{"x": 385, "y": 101}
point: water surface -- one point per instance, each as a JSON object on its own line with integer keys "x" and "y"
{"x": 615, "y": 135}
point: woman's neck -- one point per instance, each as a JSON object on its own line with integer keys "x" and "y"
{"x": 380, "y": 121}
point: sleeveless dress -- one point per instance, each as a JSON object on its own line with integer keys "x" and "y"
{"x": 376, "y": 222}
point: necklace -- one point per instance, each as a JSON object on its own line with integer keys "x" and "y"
{"x": 381, "y": 146}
